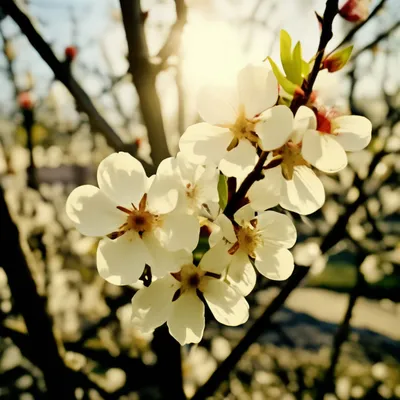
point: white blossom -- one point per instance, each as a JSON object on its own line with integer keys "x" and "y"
{"x": 237, "y": 119}
{"x": 262, "y": 240}
{"x": 134, "y": 214}
{"x": 175, "y": 299}
{"x": 197, "y": 185}
{"x": 291, "y": 183}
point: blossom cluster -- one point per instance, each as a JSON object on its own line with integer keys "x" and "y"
{"x": 150, "y": 226}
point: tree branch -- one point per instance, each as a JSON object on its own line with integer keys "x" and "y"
{"x": 328, "y": 383}
{"x": 63, "y": 74}
{"x": 353, "y": 31}
{"x": 27, "y": 300}
{"x": 144, "y": 78}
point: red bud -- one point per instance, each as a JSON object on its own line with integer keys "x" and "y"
{"x": 355, "y": 10}
{"x": 25, "y": 101}
{"x": 71, "y": 52}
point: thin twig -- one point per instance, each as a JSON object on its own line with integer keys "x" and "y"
{"x": 328, "y": 383}
{"x": 63, "y": 73}
{"x": 353, "y": 31}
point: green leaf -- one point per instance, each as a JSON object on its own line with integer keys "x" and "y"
{"x": 223, "y": 191}
{"x": 297, "y": 62}
{"x": 338, "y": 60}
{"x": 287, "y": 85}
{"x": 305, "y": 68}
{"x": 286, "y": 51}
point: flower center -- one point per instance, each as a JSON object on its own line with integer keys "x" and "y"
{"x": 242, "y": 129}
{"x": 248, "y": 239}
{"x": 138, "y": 220}
{"x": 291, "y": 158}
{"x": 323, "y": 123}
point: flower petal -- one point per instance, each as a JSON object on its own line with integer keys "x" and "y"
{"x": 303, "y": 194}
{"x": 274, "y": 127}
{"x": 323, "y": 151}
{"x": 203, "y": 143}
{"x": 186, "y": 320}
{"x": 217, "y": 105}
{"x": 162, "y": 260}
{"x": 277, "y": 229}
{"x": 304, "y": 119}
{"x": 178, "y": 231}
{"x": 228, "y": 306}
{"x": 266, "y": 193}
{"x": 244, "y": 214}
{"x": 241, "y": 273}
{"x": 353, "y": 132}
{"x": 92, "y": 212}
{"x": 222, "y": 229}
{"x": 122, "y": 178}
{"x": 152, "y": 305}
{"x": 217, "y": 258}
{"x": 162, "y": 196}
{"x": 258, "y": 88}
{"x": 121, "y": 261}
{"x": 239, "y": 161}
{"x": 274, "y": 263}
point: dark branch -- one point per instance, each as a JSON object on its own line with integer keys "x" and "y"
{"x": 353, "y": 31}
{"x": 32, "y": 307}
{"x": 63, "y": 74}
{"x": 144, "y": 78}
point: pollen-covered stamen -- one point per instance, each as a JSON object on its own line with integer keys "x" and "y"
{"x": 138, "y": 219}
{"x": 243, "y": 128}
{"x": 249, "y": 238}
{"x": 291, "y": 158}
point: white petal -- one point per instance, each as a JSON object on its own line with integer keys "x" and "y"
{"x": 244, "y": 214}
{"x": 222, "y": 229}
{"x": 323, "y": 151}
{"x": 275, "y": 127}
{"x": 304, "y": 119}
{"x": 203, "y": 143}
{"x": 152, "y": 305}
{"x": 258, "y": 88}
{"x": 353, "y": 132}
{"x": 217, "y": 258}
{"x": 217, "y": 105}
{"x": 277, "y": 229}
{"x": 228, "y": 306}
{"x": 178, "y": 232}
{"x": 239, "y": 161}
{"x": 303, "y": 194}
{"x": 122, "y": 178}
{"x": 162, "y": 196}
{"x": 207, "y": 184}
{"x": 164, "y": 261}
{"x": 274, "y": 263}
{"x": 266, "y": 193}
{"x": 121, "y": 261}
{"x": 186, "y": 320}
{"x": 241, "y": 273}
{"x": 92, "y": 212}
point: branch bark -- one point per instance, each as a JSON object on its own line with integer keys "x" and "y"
{"x": 32, "y": 307}
{"x": 144, "y": 78}
{"x": 62, "y": 72}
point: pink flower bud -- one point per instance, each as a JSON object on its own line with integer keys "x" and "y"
{"x": 71, "y": 52}
{"x": 355, "y": 10}
{"x": 25, "y": 101}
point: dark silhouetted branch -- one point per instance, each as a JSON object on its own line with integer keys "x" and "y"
{"x": 144, "y": 78}
{"x": 32, "y": 307}
{"x": 63, "y": 74}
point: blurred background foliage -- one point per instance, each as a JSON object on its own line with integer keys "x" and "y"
{"x": 56, "y": 146}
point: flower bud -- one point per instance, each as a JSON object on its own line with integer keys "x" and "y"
{"x": 70, "y": 53}
{"x": 25, "y": 101}
{"x": 338, "y": 60}
{"x": 355, "y": 10}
